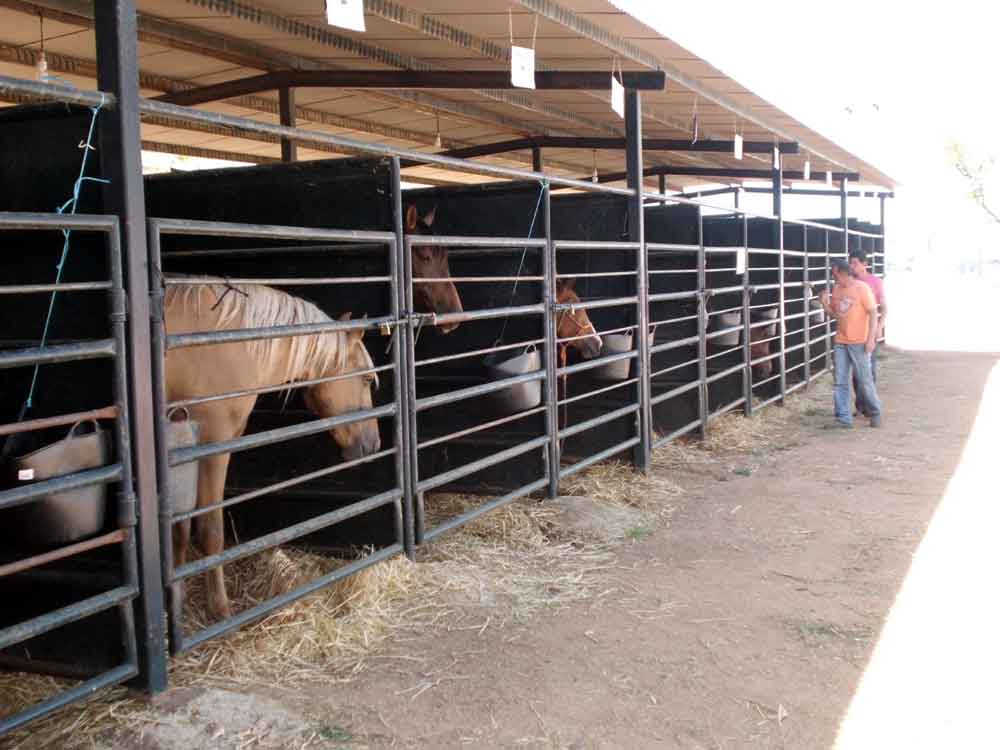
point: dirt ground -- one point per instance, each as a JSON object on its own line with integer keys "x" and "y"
{"x": 744, "y": 615}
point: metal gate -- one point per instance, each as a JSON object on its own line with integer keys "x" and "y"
{"x": 67, "y": 526}
{"x": 223, "y": 243}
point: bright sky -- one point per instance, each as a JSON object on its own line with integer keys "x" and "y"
{"x": 928, "y": 67}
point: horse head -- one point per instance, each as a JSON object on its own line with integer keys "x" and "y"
{"x": 357, "y": 439}
{"x": 574, "y": 324}
{"x": 760, "y": 346}
{"x": 431, "y": 262}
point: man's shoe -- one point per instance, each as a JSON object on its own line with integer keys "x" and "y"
{"x": 838, "y": 425}
{"x": 876, "y": 421}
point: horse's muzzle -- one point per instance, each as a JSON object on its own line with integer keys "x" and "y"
{"x": 366, "y": 446}
{"x": 590, "y": 347}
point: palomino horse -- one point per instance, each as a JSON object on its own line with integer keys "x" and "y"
{"x": 194, "y": 372}
{"x": 431, "y": 262}
{"x": 573, "y": 327}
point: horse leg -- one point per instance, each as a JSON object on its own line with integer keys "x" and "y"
{"x": 210, "y": 530}
{"x": 182, "y": 540}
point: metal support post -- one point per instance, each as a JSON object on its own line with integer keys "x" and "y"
{"x": 551, "y": 358}
{"x": 286, "y": 109}
{"x": 401, "y": 360}
{"x": 806, "y": 295}
{"x": 536, "y": 158}
{"x": 115, "y": 27}
{"x": 826, "y": 285}
{"x": 702, "y": 330}
{"x": 747, "y": 356}
{"x": 662, "y": 185}
{"x": 633, "y": 165}
{"x": 776, "y": 179}
{"x": 843, "y": 218}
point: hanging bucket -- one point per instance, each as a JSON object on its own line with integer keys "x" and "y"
{"x": 614, "y": 343}
{"x": 59, "y": 517}
{"x": 182, "y": 482}
{"x": 771, "y": 313}
{"x": 519, "y": 397}
{"x": 723, "y": 321}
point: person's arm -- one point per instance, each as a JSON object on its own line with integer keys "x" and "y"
{"x": 824, "y": 300}
{"x": 872, "y": 308}
{"x": 884, "y": 313}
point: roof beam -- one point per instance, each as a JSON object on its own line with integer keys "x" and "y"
{"x": 77, "y": 66}
{"x": 648, "y": 144}
{"x": 247, "y": 54}
{"x": 434, "y": 28}
{"x": 87, "y": 68}
{"x": 621, "y": 46}
{"x": 725, "y": 173}
{"x": 324, "y": 35}
{"x": 410, "y": 79}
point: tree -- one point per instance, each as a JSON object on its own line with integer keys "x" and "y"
{"x": 977, "y": 171}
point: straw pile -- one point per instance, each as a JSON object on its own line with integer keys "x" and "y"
{"x": 508, "y": 565}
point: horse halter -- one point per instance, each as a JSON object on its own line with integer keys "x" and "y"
{"x": 587, "y": 327}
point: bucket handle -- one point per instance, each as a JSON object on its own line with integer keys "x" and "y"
{"x": 179, "y": 410}
{"x": 72, "y": 430}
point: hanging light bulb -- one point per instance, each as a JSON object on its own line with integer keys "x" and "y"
{"x": 42, "y": 66}
{"x": 437, "y": 136}
{"x": 593, "y": 176}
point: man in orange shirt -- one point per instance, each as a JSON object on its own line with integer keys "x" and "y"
{"x": 853, "y": 307}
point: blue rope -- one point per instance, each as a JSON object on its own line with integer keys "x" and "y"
{"x": 524, "y": 253}
{"x": 71, "y": 206}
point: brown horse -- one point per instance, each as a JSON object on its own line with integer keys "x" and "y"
{"x": 759, "y": 346}
{"x": 194, "y": 372}
{"x": 573, "y": 327}
{"x": 431, "y": 262}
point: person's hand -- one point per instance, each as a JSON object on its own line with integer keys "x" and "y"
{"x": 824, "y": 298}
{"x": 869, "y": 346}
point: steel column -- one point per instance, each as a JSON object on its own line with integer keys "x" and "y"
{"x": 826, "y": 285}
{"x": 702, "y": 330}
{"x": 286, "y": 110}
{"x": 806, "y": 296}
{"x": 116, "y": 31}
{"x": 636, "y": 227}
{"x": 401, "y": 357}
{"x": 747, "y": 356}
{"x": 776, "y": 179}
{"x": 536, "y": 159}
{"x": 662, "y": 184}
{"x": 551, "y": 361}
{"x": 843, "y": 217}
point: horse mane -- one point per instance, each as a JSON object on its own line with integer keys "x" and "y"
{"x": 260, "y": 306}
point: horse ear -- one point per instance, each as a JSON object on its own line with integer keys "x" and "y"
{"x": 429, "y": 217}
{"x": 345, "y": 316}
{"x": 565, "y": 284}
{"x": 356, "y": 334}
{"x": 411, "y": 218}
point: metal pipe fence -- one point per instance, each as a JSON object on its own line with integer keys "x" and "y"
{"x": 43, "y": 501}
{"x": 176, "y": 513}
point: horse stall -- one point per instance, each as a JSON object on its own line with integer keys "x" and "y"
{"x": 481, "y": 409}
{"x": 68, "y": 559}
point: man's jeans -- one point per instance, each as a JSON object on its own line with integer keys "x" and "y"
{"x": 859, "y": 405}
{"x": 848, "y": 359}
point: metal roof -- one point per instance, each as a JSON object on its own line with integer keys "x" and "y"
{"x": 193, "y": 43}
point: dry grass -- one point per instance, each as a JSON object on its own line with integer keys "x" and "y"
{"x": 504, "y": 566}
